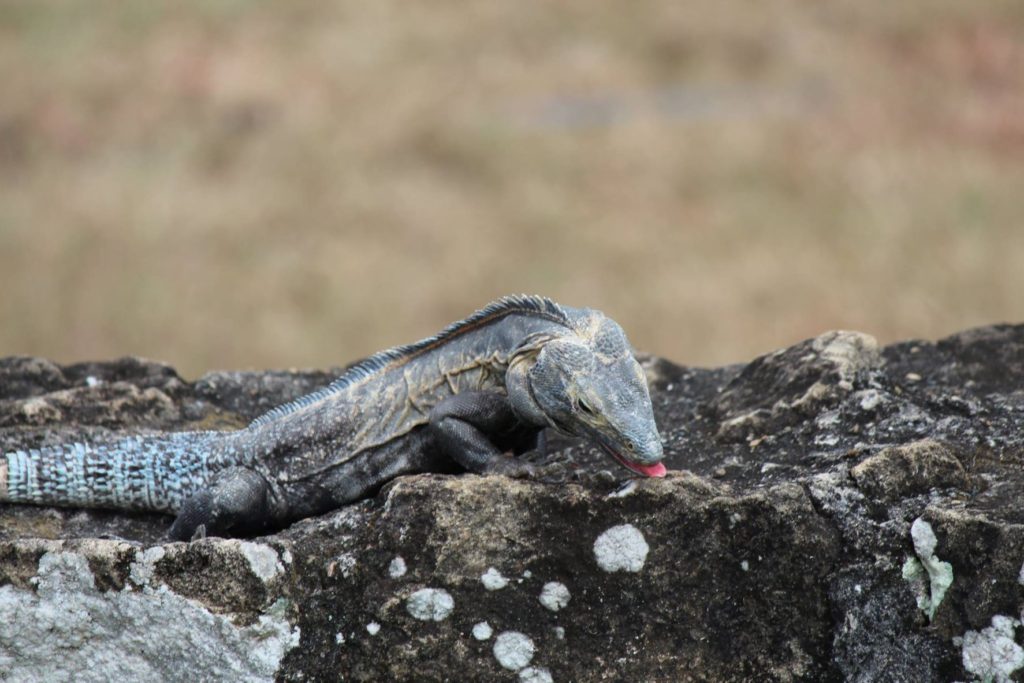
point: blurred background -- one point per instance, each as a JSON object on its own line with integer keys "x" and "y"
{"x": 245, "y": 184}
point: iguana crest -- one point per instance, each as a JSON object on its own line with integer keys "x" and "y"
{"x": 385, "y": 360}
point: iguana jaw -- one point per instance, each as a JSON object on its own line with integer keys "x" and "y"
{"x": 655, "y": 470}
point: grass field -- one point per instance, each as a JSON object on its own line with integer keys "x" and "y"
{"x": 228, "y": 184}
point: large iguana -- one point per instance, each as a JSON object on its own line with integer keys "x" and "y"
{"x": 478, "y": 391}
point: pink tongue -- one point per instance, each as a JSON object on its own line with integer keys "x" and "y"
{"x": 655, "y": 470}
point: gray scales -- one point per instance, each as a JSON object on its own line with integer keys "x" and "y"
{"x": 470, "y": 397}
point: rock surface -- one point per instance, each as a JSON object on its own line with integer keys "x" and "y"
{"x": 835, "y": 511}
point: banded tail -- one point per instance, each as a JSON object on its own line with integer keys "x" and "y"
{"x": 155, "y": 473}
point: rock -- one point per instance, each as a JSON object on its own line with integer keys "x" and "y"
{"x": 903, "y": 471}
{"x": 834, "y": 511}
{"x": 778, "y": 389}
{"x": 89, "y": 613}
{"x": 250, "y": 394}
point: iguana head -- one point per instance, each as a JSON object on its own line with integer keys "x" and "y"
{"x": 590, "y": 385}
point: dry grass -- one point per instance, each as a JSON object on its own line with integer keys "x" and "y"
{"x": 254, "y": 184}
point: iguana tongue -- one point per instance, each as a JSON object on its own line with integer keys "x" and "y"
{"x": 655, "y": 470}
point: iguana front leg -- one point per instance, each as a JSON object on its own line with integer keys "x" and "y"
{"x": 477, "y": 428}
{"x": 238, "y": 501}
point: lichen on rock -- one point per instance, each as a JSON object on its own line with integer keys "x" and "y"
{"x": 929, "y": 576}
{"x": 992, "y": 654}
{"x": 513, "y": 650}
{"x": 621, "y": 549}
{"x": 430, "y": 604}
{"x": 68, "y": 629}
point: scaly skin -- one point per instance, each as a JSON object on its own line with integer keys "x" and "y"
{"x": 467, "y": 398}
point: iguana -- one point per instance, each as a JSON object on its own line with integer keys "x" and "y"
{"x": 473, "y": 394}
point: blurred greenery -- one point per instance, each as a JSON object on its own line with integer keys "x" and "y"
{"x": 256, "y": 184}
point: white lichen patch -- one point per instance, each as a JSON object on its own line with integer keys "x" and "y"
{"x": 554, "y": 596}
{"x": 430, "y": 604}
{"x": 1020, "y": 575}
{"x": 869, "y": 399}
{"x": 263, "y": 560}
{"x": 141, "y": 570}
{"x": 535, "y": 674}
{"x": 343, "y": 564}
{"x": 373, "y": 628}
{"x": 992, "y": 654}
{"x": 559, "y": 632}
{"x": 339, "y": 638}
{"x": 621, "y": 548}
{"x": 928, "y": 576}
{"x": 482, "y": 630}
{"x": 513, "y": 650}
{"x": 745, "y": 565}
{"x": 493, "y": 580}
{"x": 397, "y": 567}
{"x": 67, "y": 630}
{"x": 924, "y": 537}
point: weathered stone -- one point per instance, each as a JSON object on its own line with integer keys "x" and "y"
{"x": 834, "y": 512}
{"x": 777, "y": 389}
{"x": 910, "y": 470}
{"x": 74, "y": 624}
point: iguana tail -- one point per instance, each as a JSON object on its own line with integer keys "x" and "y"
{"x": 137, "y": 473}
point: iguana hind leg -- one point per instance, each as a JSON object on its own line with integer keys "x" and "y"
{"x": 237, "y": 502}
